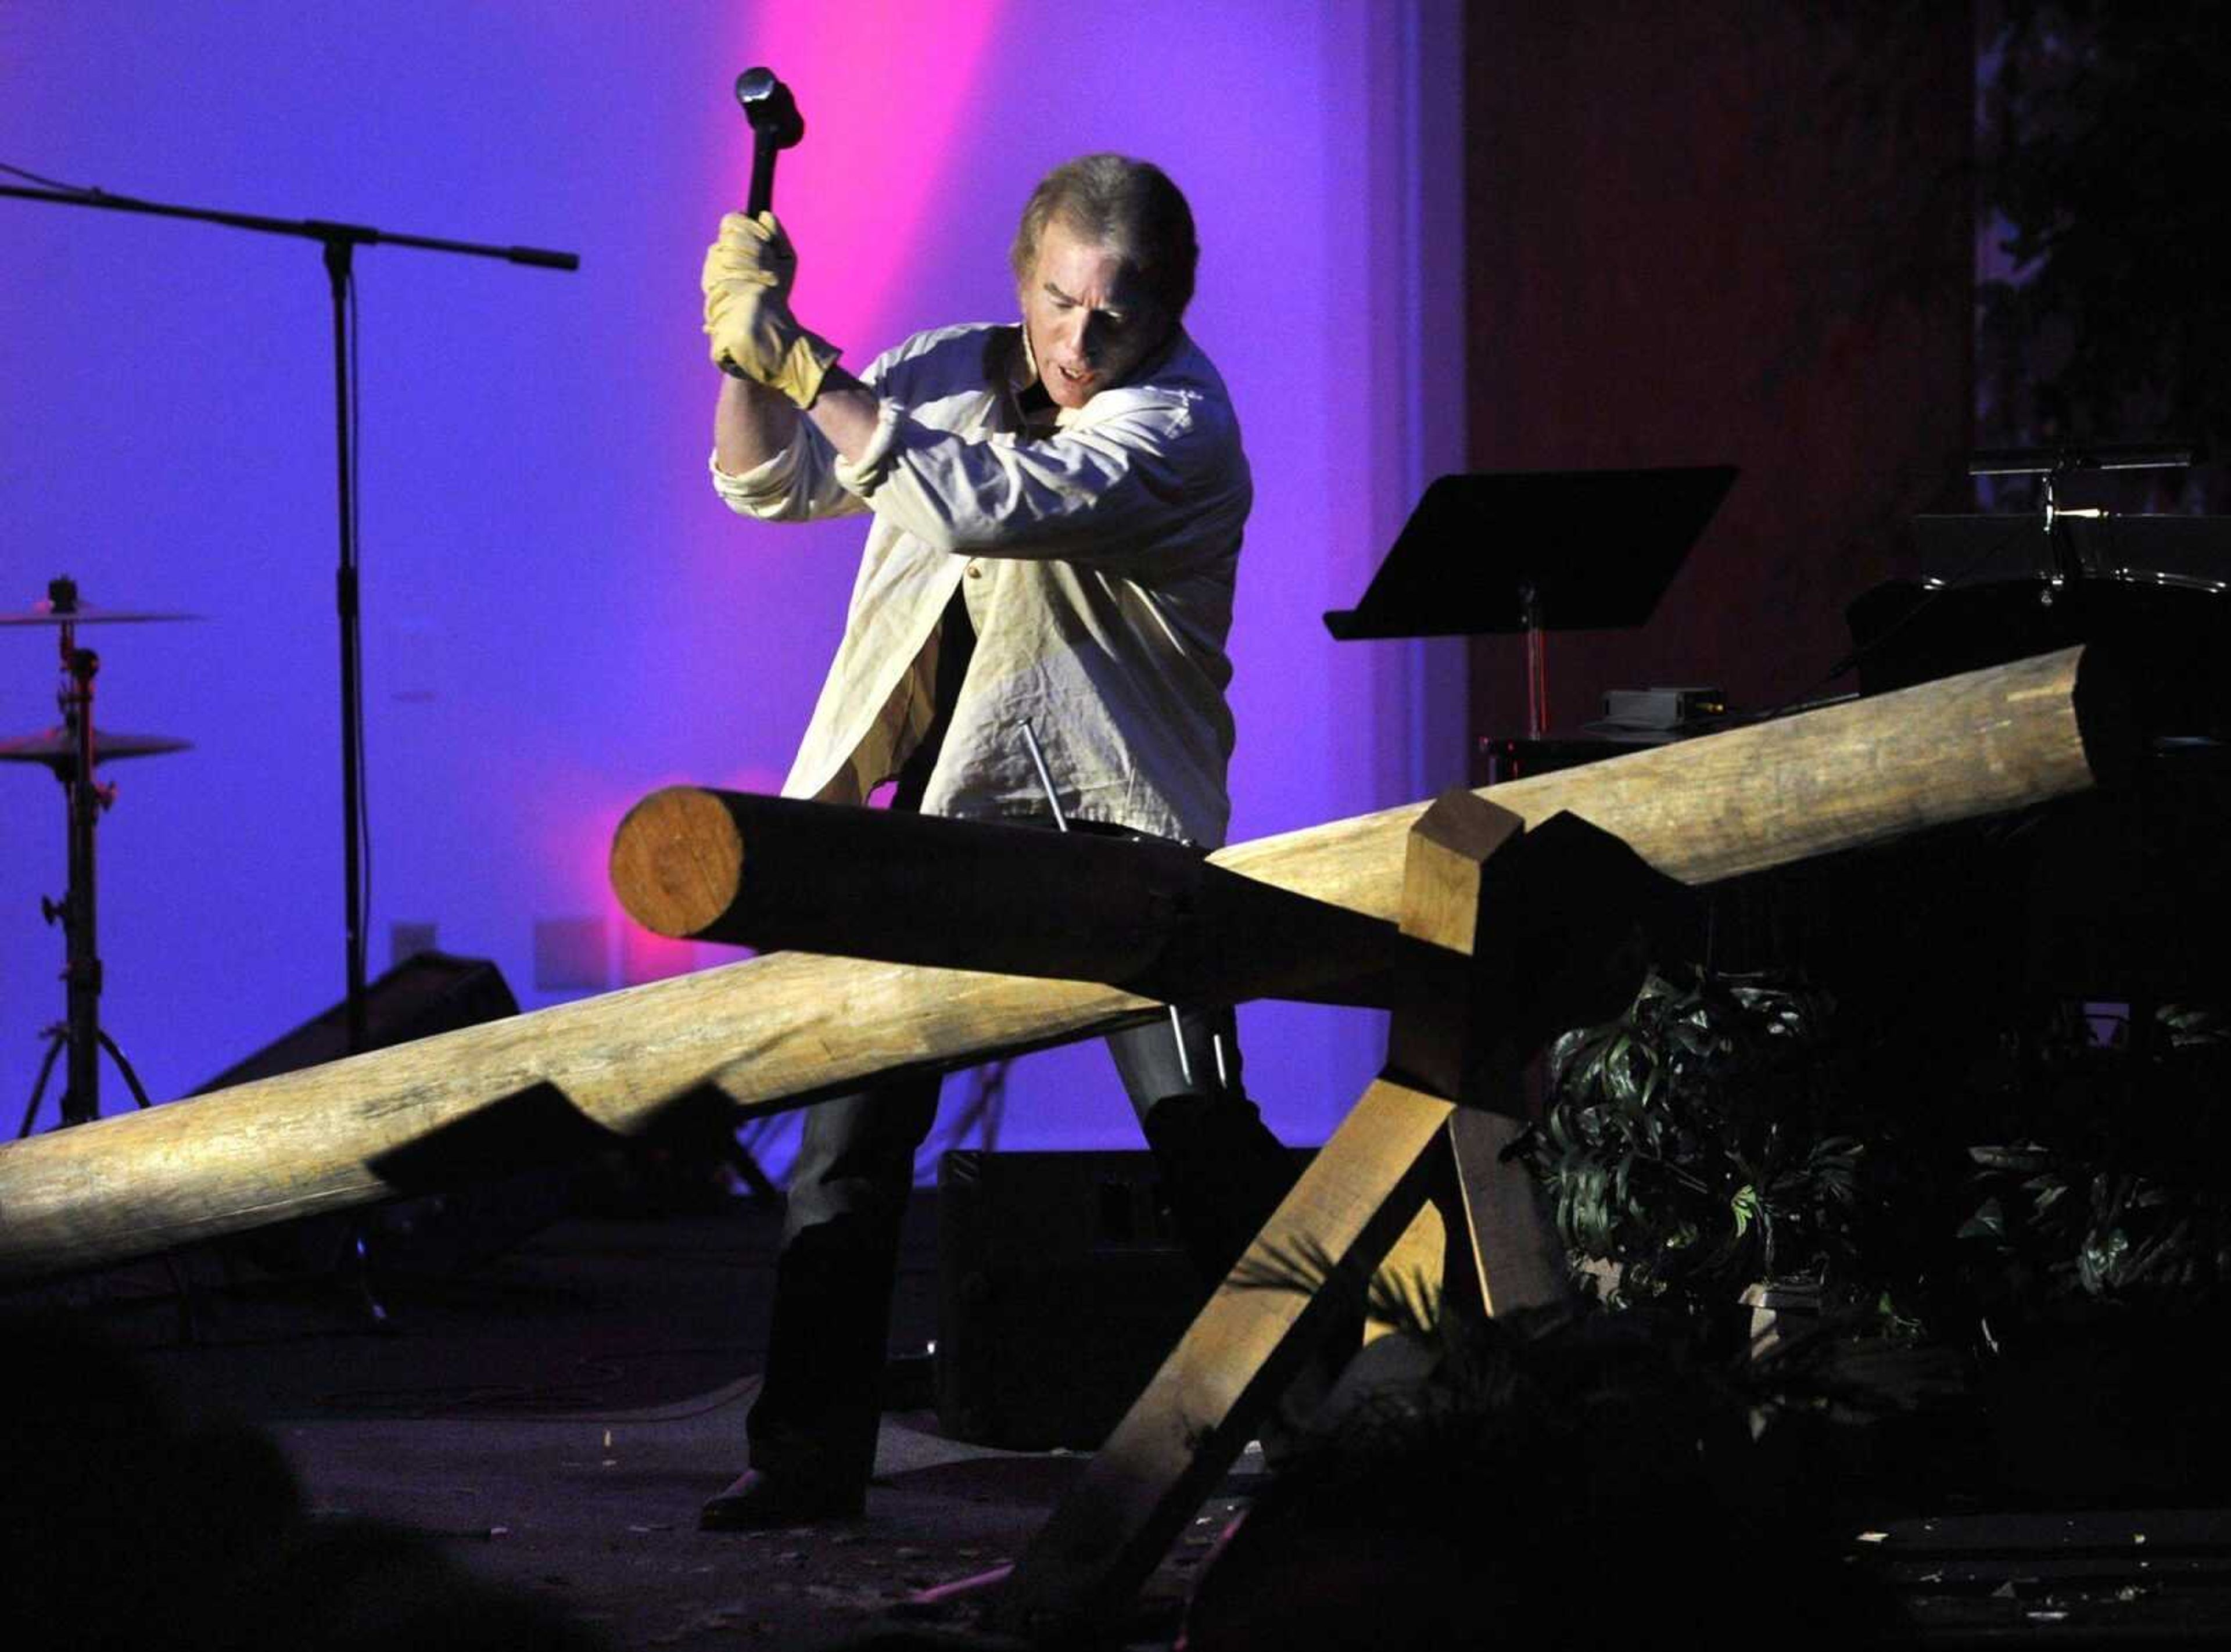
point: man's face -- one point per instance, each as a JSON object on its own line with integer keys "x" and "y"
{"x": 1090, "y": 322}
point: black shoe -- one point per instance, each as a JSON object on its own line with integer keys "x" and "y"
{"x": 759, "y": 1502}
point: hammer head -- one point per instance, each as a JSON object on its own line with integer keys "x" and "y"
{"x": 770, "y": 108}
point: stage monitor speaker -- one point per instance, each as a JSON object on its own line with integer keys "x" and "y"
{"x": 1060, "y": 1288}
{"x": 436, "y": 1233}
{"x": 429, "y": 993}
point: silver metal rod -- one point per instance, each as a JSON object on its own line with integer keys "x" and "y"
{"x": 1046, "y": 776}
{"x": 1061, "y": 824}
{"x": 1185, "y": 1062}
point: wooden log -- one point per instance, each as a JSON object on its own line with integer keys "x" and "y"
{"x": 1700, "y": 810}
{"x": 773, "y": 1031}
{"x": 1841, "y": 777}
{"x": 1151, "y": 917}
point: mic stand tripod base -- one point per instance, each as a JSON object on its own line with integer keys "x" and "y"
{"x": 58, "y": 1039}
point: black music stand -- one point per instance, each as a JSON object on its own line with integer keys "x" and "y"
{"x": 1534, "y": 552}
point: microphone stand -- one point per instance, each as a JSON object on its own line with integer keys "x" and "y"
{"x": 339, "y": 241}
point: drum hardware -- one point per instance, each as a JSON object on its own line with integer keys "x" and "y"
{"x": 2085, "y": 571}
{"x": 337, "y": 243}
{"x": 2059, "y": 560}
{"x": 57, "y": 748}
{"x": 67, "y": 611}
{"x": 2059, "y": 563}
{"x": 71, "y": 751}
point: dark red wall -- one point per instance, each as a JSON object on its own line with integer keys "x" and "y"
{"x": 1733, "y": 233}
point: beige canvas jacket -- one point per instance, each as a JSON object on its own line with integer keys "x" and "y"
{"x": 1098, "y": 565}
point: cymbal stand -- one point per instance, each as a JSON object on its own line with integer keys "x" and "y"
{"x": 339, "y": 241}
{"x": 2059, "y": 564}
{"x": 79, "y": 1032}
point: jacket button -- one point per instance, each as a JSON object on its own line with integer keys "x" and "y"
{"x": 975, "y": 571}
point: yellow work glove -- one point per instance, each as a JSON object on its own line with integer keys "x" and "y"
{"x": 751, "y": 252}
{"x": 747, "y": 276}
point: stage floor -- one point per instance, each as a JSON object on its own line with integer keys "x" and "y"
{"x": 549, "y": 1421}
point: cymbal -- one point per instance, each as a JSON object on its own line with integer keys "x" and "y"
{"x": 57, "y": 747}
{"x": 45, "y": 613}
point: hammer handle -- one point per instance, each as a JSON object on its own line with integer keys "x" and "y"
{"x": 765, "y": 148}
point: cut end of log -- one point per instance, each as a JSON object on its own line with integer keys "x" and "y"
{"x": 2109, "y": 719}
{"x": 677, "y": 860}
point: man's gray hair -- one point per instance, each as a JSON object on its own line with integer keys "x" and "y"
{"x": 1129, "y": 205}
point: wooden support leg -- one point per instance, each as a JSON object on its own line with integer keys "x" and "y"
{"x": 1484, "y": 1241}
{"x": 1194, "y": 1417}
{"x": 1358, "y": 1196}
{"x": 1486, "y": 1238}
{"x": 1507, "y": 1235}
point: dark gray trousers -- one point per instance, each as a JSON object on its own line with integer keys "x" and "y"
{"x": 817, "y": 1415}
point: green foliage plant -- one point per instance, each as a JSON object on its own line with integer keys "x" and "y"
{"x": 2111, "y": 1193}
{"x": 1703, "y": 1142}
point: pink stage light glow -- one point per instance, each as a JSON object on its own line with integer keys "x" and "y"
{"x": 888, "y": 93}
{"x": 644, "y": 956}
{"x": 885, "y": 90}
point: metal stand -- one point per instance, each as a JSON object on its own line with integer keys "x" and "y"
{"x": 2060, "y": 565}
{"x": 1537, "y": 659}
{"x": 339, "y": 241}
{"x": 1532, "y": 552}
{"x": 341, "y": 273}
{"x": 79, "y": 1032}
